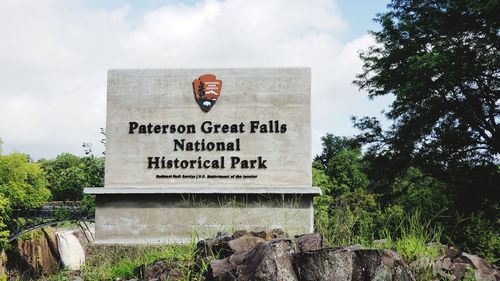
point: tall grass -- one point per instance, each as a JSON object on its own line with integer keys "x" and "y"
{"x": 413, "y": 238}
{"x": 408, "y": 234}
{"x": 111, "y": 263}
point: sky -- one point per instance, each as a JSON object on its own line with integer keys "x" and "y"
{"x": 54, "y": 55}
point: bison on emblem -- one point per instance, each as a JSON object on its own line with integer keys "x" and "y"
{"x": 207, "y": 90}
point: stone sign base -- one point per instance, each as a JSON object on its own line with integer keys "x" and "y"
{"x": 179, "y": 215}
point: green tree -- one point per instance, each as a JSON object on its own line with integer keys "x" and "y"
{"x": 4, "y": 213}
{"x": 22, "y": 186}
{"x": 440, "y": 59}
{"x": 344, "y": 213}
{"x": 22, "y": 182}
{"x": 441, "y": 62}
{"x": 332, "y": 145}
{"x": 69, "y": 174}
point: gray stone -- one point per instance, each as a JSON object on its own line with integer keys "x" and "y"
{"x": 455, "y": 265}
{"x": 311, "y": 242}
{"x": 379, "y": 241}
{"x": 270, "y": 260}
{"x": 239, "y": 233}
{"x": 244, "y": 243}
{"x": 307, "y": 258}
{"x": 347, "y": 265}
{"x": 326, "y": 264}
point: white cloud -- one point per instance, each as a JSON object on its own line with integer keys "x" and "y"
{"x": 54, "y": 56}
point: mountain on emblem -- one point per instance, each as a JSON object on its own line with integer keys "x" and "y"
{"x": 207, "y": 90}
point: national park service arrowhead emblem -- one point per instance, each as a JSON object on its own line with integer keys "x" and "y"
{"x": 207, "y": 90}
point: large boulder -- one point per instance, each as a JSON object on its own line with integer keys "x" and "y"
{"x": 346, "y": 264}
{"x": 270, "y": 260}
{"x": 305, "y": 258}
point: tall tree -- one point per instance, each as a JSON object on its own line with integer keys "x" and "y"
{"x": 68, "y": 174}
{"x": 440, "y": 60}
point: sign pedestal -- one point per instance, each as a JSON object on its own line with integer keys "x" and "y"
{"x": 177, "y": 215}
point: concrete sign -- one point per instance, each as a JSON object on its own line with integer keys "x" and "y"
{"x": 164, "y": 129}
{"x": 198, "y": 151}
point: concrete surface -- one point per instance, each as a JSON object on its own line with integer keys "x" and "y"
{"x": 166, "y": 97}
{"x": 205, "y": 190}
{"x": 176, "y": 218}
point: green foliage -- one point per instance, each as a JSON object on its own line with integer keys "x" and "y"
{"x": 416, "y": 191}
{"x": 69, "y": 174}
{"x": 344, "y": 213}
{"x": 4, "y": 211}
{"x": 413, "y": 238}
{"x": 440, "y": 60}
{"x": 411, "y": 209}
{"x": 479, "y": 236}
{"x": 22, "y": 182}
{"x": 346, "y": 170}
{"x": 332, "y": 145}
{"x": 22, "y": 185}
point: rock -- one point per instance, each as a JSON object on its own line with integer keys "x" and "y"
{"x": 239, "y": 233}
{"x": 354, "y": 247}
{"x": 269, "y": 234}
{"x": 383, "y": 265}
{"x": 326, "y": 264}
{"x": 346, "y": 265}
{"x": 214, "y": 247}
{"x": 155, "y": 270}
{"x": 270, "y": 260}
{"x": 278, "y": 233}
{"x": 78, "y": 278}
{"x": 379, "y": 241}
{"x": 244, "y": 243}
{"x": 261, "y": 233}
{"x": 311, "y": 242}
{"x": 306, "y": 257}
{"x": 455, "y": 265}
{"x": 38, "y": 255}
{"x": 483, "y": 271}
{"x": 159, "y": 270}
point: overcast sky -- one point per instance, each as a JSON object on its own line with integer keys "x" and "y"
{"x": 54, "y": 56}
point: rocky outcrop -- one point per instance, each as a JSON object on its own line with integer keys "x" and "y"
{"x": 36, "y": 256}
{"x": 303, "y": 258}
{"x": 452, "y": 264}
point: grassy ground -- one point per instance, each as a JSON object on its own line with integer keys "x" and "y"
{"x": 114, "y": 262}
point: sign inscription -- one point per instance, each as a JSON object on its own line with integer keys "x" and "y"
{"x": 207, "y": 127}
